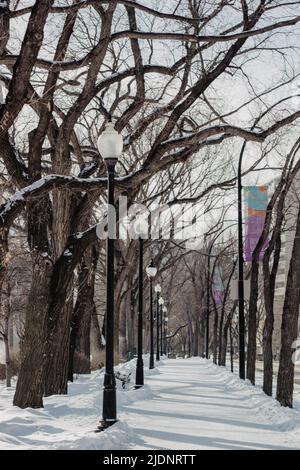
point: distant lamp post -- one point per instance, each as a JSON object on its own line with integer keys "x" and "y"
{"x": 159, "y": 324}
{"x": 139, "y": 376}
{"x": 151, "y": 271}
{"x": 110, "y": 146}
{"x": 232, "y": 323}
{"x": 157, "y": 290}
{"x": 165, "y": 323}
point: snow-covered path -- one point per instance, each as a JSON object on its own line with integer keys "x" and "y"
{"x": 186, "y": 404}
{"x": 199, "y": 406}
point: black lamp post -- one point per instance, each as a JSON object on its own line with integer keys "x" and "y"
{"x": 161, "y": 325}
{"x": 139, "y": 377}
{"x": 208, "y": 301}
{"x": 241, "y": 297}
{"x": 151, "y": 273}
{"x": 110, "y": 145}
{"x": 165, "y": 321}
{"x": 157, "y": 290}
{"x": 231, "y": 345}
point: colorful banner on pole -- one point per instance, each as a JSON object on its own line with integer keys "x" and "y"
{"x": 256, "y": 201}
{"x": 218, "y": 287}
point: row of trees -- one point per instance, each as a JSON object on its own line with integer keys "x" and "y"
{"x": 183, "y": 83}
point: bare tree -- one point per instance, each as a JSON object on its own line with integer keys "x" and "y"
{"x": 116, "y": 70}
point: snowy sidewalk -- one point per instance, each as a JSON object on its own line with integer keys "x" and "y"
{"x": 186, "y": 404}
{"x": 201, "y": 406}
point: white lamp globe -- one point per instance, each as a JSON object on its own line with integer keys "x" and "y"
{"x": 110, "y": 143}
{"x": 165, "y": 309}
{"x": 157, "y": 288}
{"x": 151, "y": 270}
{"x": 161, "y": 301}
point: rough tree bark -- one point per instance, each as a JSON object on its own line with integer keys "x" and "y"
{"x": 216, "y": 317}
{"x": 131, "y": 322}
{"x": 215, "y": 334}
{"x": 289, "y": 327}
{"x": 58, "y": 326}
{"x": 96, "y": 340}
{"x": 202, "y": 334}
{"x": 225, "y": 334}
{"x": 4, "y": 25}
{"x": 79, "y": 362}
{"x": 123, "y": 307}
{"x": 196, "y": 338}
{"x": 222, "y": 333}
{"x": 6, "y": 309}
{"x": 30, "y": 385}
{"x": 252, "y": 323}
{"x": 269, "y": 278}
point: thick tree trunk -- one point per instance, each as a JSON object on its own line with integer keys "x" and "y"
{"x": 196, "y": 339}
{"x": 189, "y": 345}
{"x": 30, "y": 385}
{"x": 202, "y": 336}
{"x": 82, "y": 353}
{"x": 221, "y": 336}
{"x": 269, "y": 293}
{"x": 289, "y": 327}
{"x": 268, "y": 354}
{"x": 252, "y": 325}
{"x": 215, "y": 334}
{"x": 184, "y": 348}
{"x": 124, "y": 312}
{"x": 7, "y": 316}
{"x": 268, "y": 331}
{"x": 7, "y": 360}
{"x": 130, "y": 326}
{"x": 4, "y": 25}
{"x": 80, "y": 347}
{"x": 3, "y": 255}
{"x": 224, "y": 344}
{"x": 96, "y": 340}
{"x": 231, "y": 345}
{"x": 59, "y": 317}
{"x": 56, "y": 380}
{"x": 82, "y": 362}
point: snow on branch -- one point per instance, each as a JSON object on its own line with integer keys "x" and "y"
{"x": 231, "y": 131}
{"x": 10, "y": 60}
{"x": 10, "y": 209}
{"x": 128, "y": 3}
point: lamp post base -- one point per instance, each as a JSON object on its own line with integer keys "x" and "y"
{"x": 139, "y": 378}
{"x": 103, "y": 425}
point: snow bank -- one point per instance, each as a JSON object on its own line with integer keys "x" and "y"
{"x": 285, "y": 419}
{"x": 69, "y": 421}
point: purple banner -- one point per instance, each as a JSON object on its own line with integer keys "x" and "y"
{"x": 218, "y": 288}
{"x": 256, "y": 201}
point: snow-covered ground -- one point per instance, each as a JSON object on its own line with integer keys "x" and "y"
{"x": 185, "y": 404}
